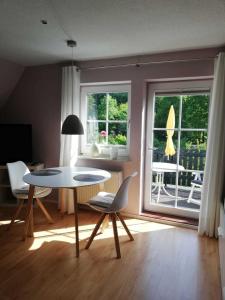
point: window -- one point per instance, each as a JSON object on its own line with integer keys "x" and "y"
{"x": 105, "y": 116}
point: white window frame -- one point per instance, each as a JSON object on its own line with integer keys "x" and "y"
{"x": 104, "y": 88}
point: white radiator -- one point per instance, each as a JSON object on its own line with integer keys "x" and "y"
{"x": 112, "y": 185}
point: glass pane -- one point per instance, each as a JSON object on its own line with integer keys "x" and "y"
{"x": 162, "y": 192}
{"x": 92, "y": 132}
{"x": 195, "y": 111}
{"x": 118, "y": 106}
{"x": 193, "y": 150}
{"x": 96, "y": 106}
{"x": 159, "y": 146}
{"x": 184, "y": 180}
{"x": 162, "y": 108}
{"x": 117, "y": 133}
{"x": 184, "y": 190}
{"x": 102, "y": 133}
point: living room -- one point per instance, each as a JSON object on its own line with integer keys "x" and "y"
{"x": 138, "y": 49}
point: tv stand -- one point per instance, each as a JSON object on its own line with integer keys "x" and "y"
{"x": 6, "y": 196}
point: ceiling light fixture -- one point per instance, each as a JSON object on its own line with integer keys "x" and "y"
{"x": 44, "y": 22}
{"x": 72, "y": 124}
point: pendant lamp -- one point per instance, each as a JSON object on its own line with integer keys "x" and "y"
{"x": 72, "y": 124}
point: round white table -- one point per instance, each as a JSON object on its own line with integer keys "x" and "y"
{"x": 61, "y": 177}
{"x": 160, "y": 168}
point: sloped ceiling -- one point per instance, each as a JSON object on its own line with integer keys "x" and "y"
{"x": 106, "y": 29}
{"x": 9, "y": 75}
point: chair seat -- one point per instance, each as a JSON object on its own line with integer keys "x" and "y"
{"x": 102, "y": 199}
{"x": 199, "y": 182}
{"x": 22, "y": 193}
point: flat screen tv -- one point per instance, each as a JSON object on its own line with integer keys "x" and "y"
{"x": 16, "y": 143}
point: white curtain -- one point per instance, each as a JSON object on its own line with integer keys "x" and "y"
{"x": 69, "y": 143}
{"x": 214, "y": 169}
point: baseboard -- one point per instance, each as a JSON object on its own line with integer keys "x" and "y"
{"x": 146, "y": 217}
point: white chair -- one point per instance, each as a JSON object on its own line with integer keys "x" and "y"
{"x": 111, "y": 204}
{"x": 196, "y": 184}
{"x": 20, "y": 189}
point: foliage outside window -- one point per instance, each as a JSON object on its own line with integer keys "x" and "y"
{"x": 106, "y": 116}
{"x": 194, "y": 120}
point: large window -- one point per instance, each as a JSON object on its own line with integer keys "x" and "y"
{"x": 105, "y": 115}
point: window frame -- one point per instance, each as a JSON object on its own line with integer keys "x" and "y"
{"x": 104, "y": 88}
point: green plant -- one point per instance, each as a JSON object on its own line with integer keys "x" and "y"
{"x": 121, "y": 139}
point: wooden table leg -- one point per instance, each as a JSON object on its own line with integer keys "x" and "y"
{"x": 29, "y": 215}
{"x": 76, "y": 221}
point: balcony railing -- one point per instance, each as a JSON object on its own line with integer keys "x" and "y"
{"x": 189, "y": 159}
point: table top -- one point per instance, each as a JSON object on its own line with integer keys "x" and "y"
{"x": 166, "y": 167}
{"x": 65, "y": 179}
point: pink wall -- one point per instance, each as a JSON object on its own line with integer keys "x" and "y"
{"x": 139, "y": 77}
{"x": 36, "y": 100}
{"x": 9, "y": 76}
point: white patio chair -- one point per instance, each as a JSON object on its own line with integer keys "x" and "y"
{"x": 20, "y": 189}
{"x": 196, "y": 184}
{"x": 111, "y": 204}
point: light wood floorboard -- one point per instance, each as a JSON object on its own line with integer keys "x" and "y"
{"x": 162, "y": 263}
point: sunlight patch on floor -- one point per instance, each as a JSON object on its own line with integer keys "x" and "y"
{"x": 67, "y": 234}
{"x": 6, "y": 222}
{"x": 37, "y": 243}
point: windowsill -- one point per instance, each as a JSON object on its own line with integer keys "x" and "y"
{"x": 104, "y": 157}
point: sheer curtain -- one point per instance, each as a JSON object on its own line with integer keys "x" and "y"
{"x": 214, "y": 169}
{"x": 69, "y": 143}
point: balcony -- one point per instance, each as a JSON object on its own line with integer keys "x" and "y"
{"x": 173, "y": 188}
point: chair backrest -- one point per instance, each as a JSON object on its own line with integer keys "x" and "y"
{"x": 121, "y": 198}
{"x": 16, "y": 172}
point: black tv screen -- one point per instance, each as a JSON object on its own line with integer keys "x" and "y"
{"x": 16, "y": 143}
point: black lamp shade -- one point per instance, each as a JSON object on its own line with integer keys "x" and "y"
{"x": 72, "y": 125}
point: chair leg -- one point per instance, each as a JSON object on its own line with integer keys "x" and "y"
{"x": 191, "y": 193}
{"x": 105, "y": 224}
{"x": 16, "y": 214}
{"x": 116, "y": 238}
{"x": 125, "y": 226}
{"x": 43, "y": 209}
{"x": 95, "y": 230}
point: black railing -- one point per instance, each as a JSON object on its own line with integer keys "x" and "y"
{"x": 189, "y": 159}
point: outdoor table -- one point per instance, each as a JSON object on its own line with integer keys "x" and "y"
{"x": 160, "y": 168}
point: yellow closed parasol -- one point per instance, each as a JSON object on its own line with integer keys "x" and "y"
{"x": 170, "y": 124}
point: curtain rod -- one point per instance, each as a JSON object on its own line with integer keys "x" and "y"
{"x": 139, "y": 64}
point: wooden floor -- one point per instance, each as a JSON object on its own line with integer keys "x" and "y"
{"x": 163, "y": 263}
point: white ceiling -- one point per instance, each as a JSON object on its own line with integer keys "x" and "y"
{"x": 106, "y": 29}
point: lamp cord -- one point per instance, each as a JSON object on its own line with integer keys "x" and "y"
{"x": 72, "y": 80}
